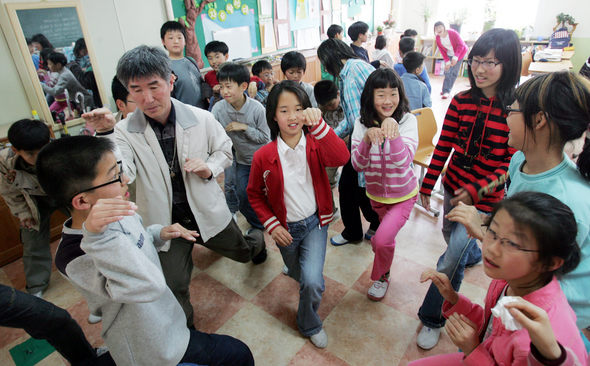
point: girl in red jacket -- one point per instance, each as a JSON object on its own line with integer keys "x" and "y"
{"x": 291, "y": 195}
{"x": 530, "y": 239}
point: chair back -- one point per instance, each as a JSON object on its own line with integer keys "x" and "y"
{"x": 427, "y": 127}
{"x": 559, "y": 39}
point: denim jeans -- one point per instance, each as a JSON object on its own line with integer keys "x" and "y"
{"x": 450, "y": 77}
{"x": 229, "y": 188}
{"x": 461, "y": 250}
{"x": 216, "y": 349}
{"x": 43, "y": 320}
{"x": 242, "y": 176}
{"x": 305, "y": 260}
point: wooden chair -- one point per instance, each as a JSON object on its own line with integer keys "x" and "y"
{"x": 427, "y": 129}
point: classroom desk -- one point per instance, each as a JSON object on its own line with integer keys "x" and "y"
{"x": 547, "y": 67}
{"x": 567, "y": 55}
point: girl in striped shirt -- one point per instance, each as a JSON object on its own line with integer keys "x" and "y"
{"x": 384, "y": 141}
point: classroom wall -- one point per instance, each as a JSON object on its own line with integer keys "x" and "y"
{"x": 114, "y": 26}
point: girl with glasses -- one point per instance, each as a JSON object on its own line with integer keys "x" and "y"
{"x": 531, "y": 242}
{"x": 476, "y": 133}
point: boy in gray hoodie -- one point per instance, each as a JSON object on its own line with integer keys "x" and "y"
{"x": 112, "y": 260}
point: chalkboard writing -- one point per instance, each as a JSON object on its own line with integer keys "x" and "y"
{"x": 60, "y": 25}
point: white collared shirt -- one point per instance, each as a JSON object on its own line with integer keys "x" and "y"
{"x": 299, "y": 194}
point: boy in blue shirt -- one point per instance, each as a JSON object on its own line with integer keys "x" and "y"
{"x": 416, "y": 89}
{"x": 407, "y": 44}
{"x": 244, "y": 121}
{"x": 113, "y": 261}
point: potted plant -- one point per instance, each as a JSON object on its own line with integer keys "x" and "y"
{"x": 489, "y": 15}
{"x": 426, "y": 15}
{"x": 457, "y": 18}
{"x": 379, "y": 30}
{"x": 567, "y": 21}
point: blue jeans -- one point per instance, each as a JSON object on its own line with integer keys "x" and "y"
{"x": 450, "y": 77}
{"x": 461, "y": 250}
{"x": 43, "y": 320}
{"x": 242, "y": 176}
{"x": 305, "y": 260}
{"x": 216, "y": 349}
{"x": 229, "y": 187}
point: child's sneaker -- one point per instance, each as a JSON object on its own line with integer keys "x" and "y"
{"x": 369, "y": 234}
{"x": 379, "y": 288}
{"x": 93, "y": 319}
{"x": 428, "y": 337}
{"x": 320, "y": 340}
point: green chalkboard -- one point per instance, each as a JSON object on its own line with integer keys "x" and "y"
{"x": 60, "y": 25}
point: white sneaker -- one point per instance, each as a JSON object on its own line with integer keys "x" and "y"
{"x": 285, "y": 270}
{"x": 320, "y": 340}
{"x": 338, "y": 240}
{"x": 93, "y": 319}
{"x": 378, "y": 289}
{"x": 38, "y": 294}
{"x": 428, "y": 337}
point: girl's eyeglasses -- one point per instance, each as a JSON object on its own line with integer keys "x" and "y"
{"x": 488, "y": 65}
{"x": 505, "y": 243}
{"x": 509, "y": 110}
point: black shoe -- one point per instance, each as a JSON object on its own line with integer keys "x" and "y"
{"x": 260, "y": 257}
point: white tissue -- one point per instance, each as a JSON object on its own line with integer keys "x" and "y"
{"x": 500, "y": 311}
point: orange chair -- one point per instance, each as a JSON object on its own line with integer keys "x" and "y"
{"x": 427, "y": 129}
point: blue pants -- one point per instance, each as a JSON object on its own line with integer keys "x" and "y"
{"x": 461, "y": 250}
{"x": 43, "y": 320}
{"x": 305, "y": 260}
{"x": 216, "y": 349}
{"x": 242, "y": 176}
{"x": 450, "y": 77}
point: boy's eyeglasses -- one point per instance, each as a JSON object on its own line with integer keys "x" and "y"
{"x": 505, "y": 243}
{"x": 487, "y": 65}
{"x": 509, "y": 110}
{"x": 118, "y": 179}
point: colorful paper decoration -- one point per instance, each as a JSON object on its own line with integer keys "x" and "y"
{"x": 237, "y": 4}
{"x": 212, "y": 13}
{"x": 229, "y": 8}
{"x": 245, "y": 9}
{"x": 222, "y": 15}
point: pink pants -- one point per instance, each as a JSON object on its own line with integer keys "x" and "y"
{"x": 448, "y": 359}
{"x": 393, "y": 217}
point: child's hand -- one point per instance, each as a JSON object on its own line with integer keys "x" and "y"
{"x": 178, "y": 231}
{"x": 311, "y": 116}
{"x": 536, "y": 322}
{"x": 217, "y": 88}
{"x": 27, "y": 223}
{"x": 10, "y": 176}
{"x": 425, "y": 200}
{"x": 374, "y": 135}
{"x": 390, "y": 128}
{"x": 252, "y": 89}
{"x": 461, "y": 195}
{"x": 469, "y": 217}
{"x": 101, "y": 119}
{"x": 441, "y": 281}
{"x": 199, "y": 167}
{"x": 106, "y": 211}
{"x": 463, "y": 333}
{"x": 282, "y": 236}
{"x": 236, "y": 126}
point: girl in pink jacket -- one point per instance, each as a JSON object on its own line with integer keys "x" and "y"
{"x": 530, "y": 239}
{"x": 384, "y": 141}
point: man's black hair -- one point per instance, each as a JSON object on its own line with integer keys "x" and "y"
{"x": 118, "y": 90}
{"x": 28, "y": 134}
{"x": 232, "y": 71}
{"x": 58, "y": 58}
{"x": 293, "y": 59}
{"x": 143, "y": 62}
{"x": 406, "y": 44}
{"x": 69, "y": 165}
{"x": 413, "y": 60}
{"x": 325, "y": 91}
{"x": 260, "y": 66}
{"x": 356, "y": 29}
{"x": 172, "y": 25}
{"x": 216, "y": 46}
{"x": 333, "y": 30}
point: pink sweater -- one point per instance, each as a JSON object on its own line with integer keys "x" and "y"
{"x": 504, "y": 347}
{"x": 387, "y": 168}
{"x": 459, "y": 47}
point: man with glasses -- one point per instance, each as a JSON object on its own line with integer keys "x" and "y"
{"x": 174, "y": 152}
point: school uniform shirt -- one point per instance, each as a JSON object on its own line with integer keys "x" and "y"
{"x": 416, "y": 91}
{"x": 187, "y": 87}
{"x": 505, "y": 347}
{"x": 266, "y": 188}
{"x": 257, "y": 134}
{"x": 565, "y": 183}
{"x": 477, "y": 136}
{"x": 119, "y": 274}
{"x": 299, "y": 196}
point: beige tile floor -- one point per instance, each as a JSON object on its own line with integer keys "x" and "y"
{"x": 258, "y": 303}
